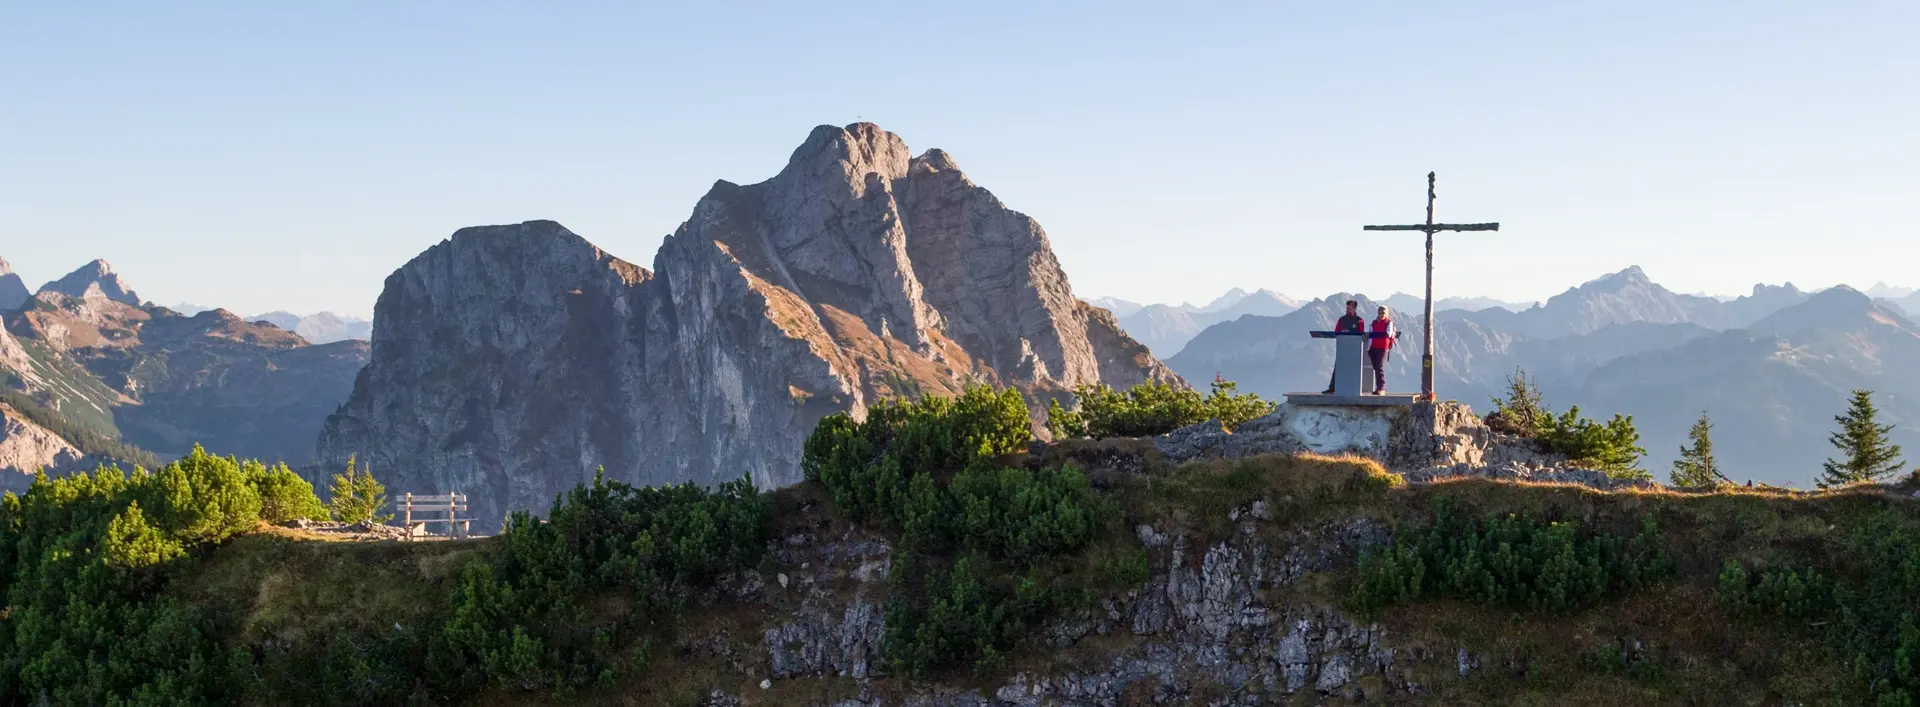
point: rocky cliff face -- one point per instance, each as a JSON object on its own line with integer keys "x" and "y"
{"x": 511, "y": 361}
{"x": 26, "y": 448}
{"x": 1205, "y": 626}
{"x": 13, "y": 292}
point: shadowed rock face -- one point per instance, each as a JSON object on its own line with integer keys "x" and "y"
{"x": 511, "y": 361}
{"x": 13, "y": 292}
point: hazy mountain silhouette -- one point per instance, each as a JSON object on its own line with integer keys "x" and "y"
{"x": 1772, "y": 367}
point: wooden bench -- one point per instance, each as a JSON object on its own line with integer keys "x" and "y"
{"x": 451, "y": 504}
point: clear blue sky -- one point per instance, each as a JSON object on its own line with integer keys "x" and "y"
{"x": 262, "y": 156}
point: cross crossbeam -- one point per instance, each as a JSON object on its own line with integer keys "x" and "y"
{"x": 1430, "y": 228}
{"x": 1437, "y": 227}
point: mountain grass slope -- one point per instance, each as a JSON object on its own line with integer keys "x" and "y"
{"x": 1078, "y": 572}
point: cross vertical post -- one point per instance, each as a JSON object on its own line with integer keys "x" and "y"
{"x": 1426, "y": 353}
{"x": 1426, "y": 324}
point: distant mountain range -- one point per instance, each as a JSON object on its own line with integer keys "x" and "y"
{"x": 1881, "y": 290}
{"x": 1772, "y": 368}
{"x": 1414, "y": 303}
{"x": 1166, "y": 328}
{"x": 88, "y": 373}
{"x": 1908, "y": 303}
{"x": 321, "y": 328}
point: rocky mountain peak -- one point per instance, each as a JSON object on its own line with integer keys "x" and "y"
{"x": 1835, "y": 309}
{"x": 1841, "y": 295}
{"x": 854, "y": 151}
{"x": 936, "y": 160}
{"x": 94, "y": 280}
{"x": 1630, "y": 277}
{"x": 510, "y": 361}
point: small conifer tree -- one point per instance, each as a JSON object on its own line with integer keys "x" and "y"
{"x": 357, "y": 496}
{"x": 1869, "y": 455}
{"x": 1696, "y": 467}
{"x": 1522, "y": 412}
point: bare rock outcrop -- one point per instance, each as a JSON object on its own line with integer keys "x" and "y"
{"x": 1424, "y": 442}
{"x": 14, "y": 358}
{"x": 13, "y": 292}
{"x": 26, "y": 448}
{"x": 511, "y": 361}
{"x": 1208, "y": 622}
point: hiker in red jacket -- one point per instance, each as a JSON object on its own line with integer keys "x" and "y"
{"x": 1381, "y": 337}
{"x": 1350, "y": 322}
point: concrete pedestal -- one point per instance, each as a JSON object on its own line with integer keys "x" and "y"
{"x": 1349, "y": 361}
{"x": 1352, "y": 375}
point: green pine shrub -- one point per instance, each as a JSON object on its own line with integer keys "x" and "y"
{"x": 519, "y": 622}
{"x": 1152, "y": 408}
{"x": 1801, "y": 592}
{"x": 971, "y": 615}
{"x": 284, "y": 496}
{"x": 1513, "y": 560}
{"x": 866, "y": 466}
{"x": 1864, "y": 605}
{"x": 88, "y": 562}
{"x": 929, "y": 472}
{"x": 1612, "y": 446}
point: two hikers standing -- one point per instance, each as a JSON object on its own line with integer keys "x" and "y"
{"x": 1381, "y": 336}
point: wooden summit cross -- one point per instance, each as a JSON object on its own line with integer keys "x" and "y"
{"x": 1426, "y": 351}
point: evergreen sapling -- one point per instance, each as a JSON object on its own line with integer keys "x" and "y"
{"x": 1869, "y": 456}
{"x": 1697, "y": 468}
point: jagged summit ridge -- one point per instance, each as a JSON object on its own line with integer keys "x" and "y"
{"x": 94, "y": 280}
{"x": 510, "y": 361}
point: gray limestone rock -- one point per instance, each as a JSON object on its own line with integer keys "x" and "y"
{"x": 509, "y": 362}
{"x": 818, "y": 644}
{"x": 26, "y": 448}
{"x": 1423, "y": 442}
{"x": 13, "y": 292}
